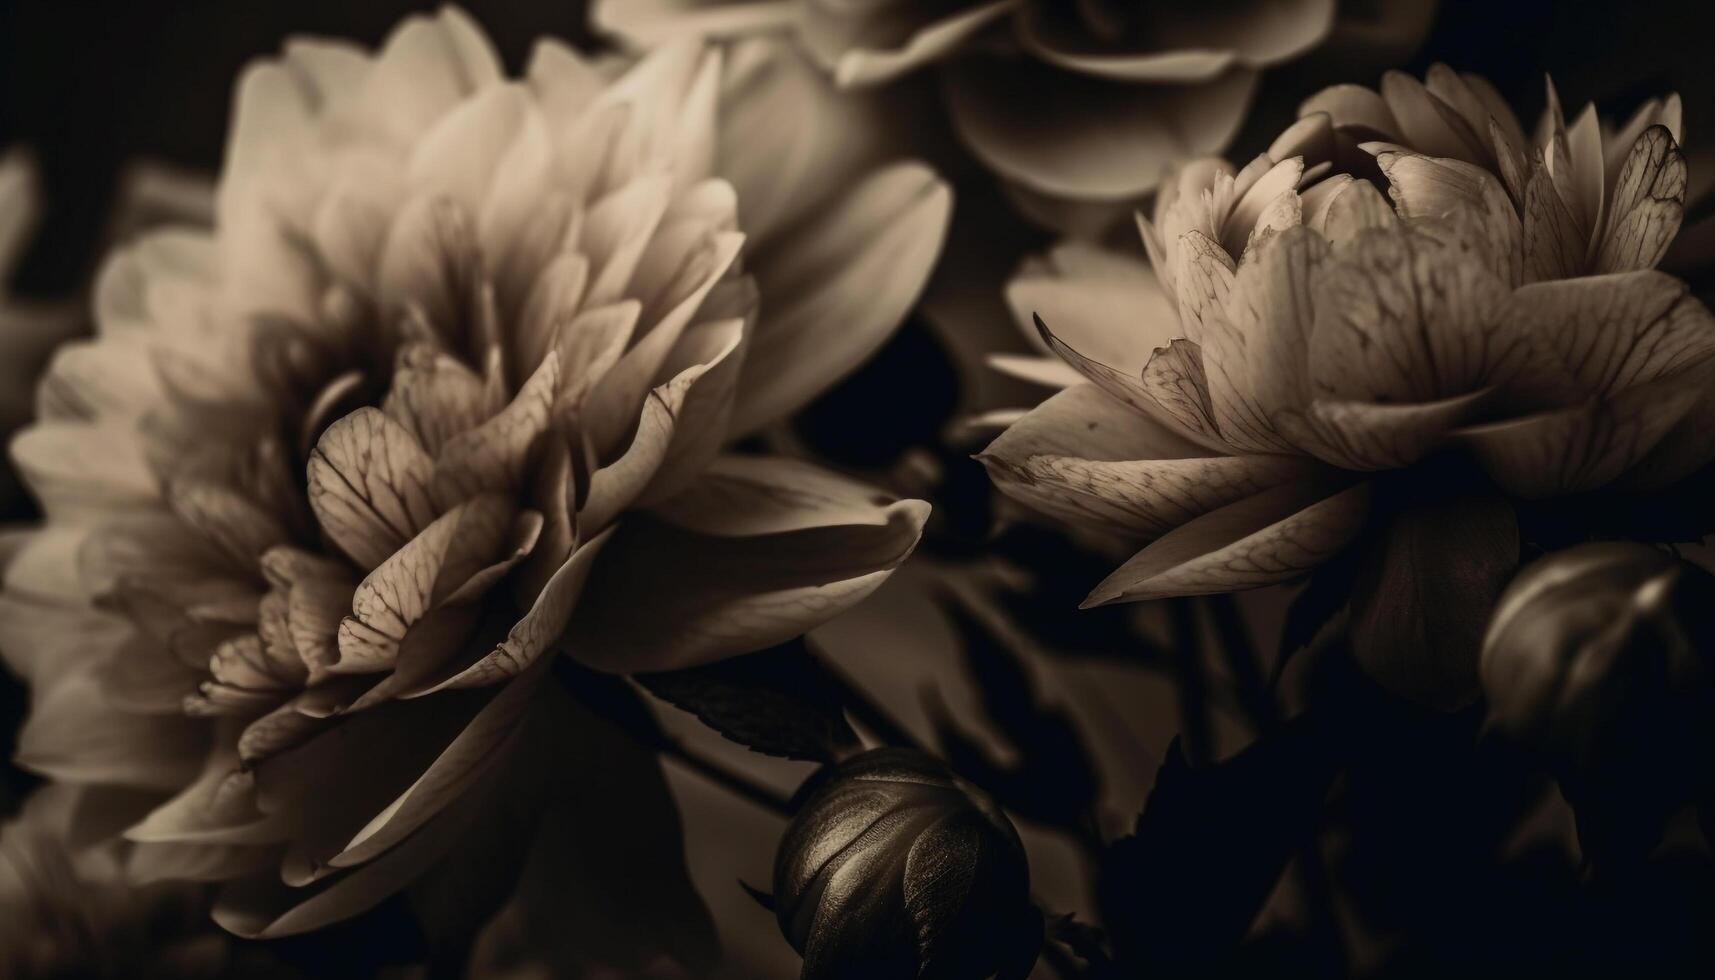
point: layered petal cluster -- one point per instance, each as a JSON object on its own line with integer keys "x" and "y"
{"x": 71, "y": 912}
{"x": 29, "y": 331}
{"x": 444, "y": 393}
{"x": 1590, "y": 198}
{"x": 1299, "y": 336}
{"x": 1073, "y": 103}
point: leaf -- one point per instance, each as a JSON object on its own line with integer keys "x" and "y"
{"x": 1210, "y": 845}
{"x": 778, "y": 701}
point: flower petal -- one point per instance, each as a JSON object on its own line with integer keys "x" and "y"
{"x": 74, "y": 735}
{"x": 540, "y": 627}
{"x": 869, "y": 66}
{"x": 836, "y": 289}
{"x": 464, "y": 761}
{"x": 417, "y": 577}
{"x": 1404, "y": 316}
{"x": 493, "y": 456}
{"x": 731, "y": 592}
{"x": 1596, "y": 336}
{"x": 1573, "y": 450}
{"x": 1648, "y": 203}
{"x": 683, "y": 423}
{"x": 1080, "y": 137}
{"x": 1272, "y": 537}
{"x": 1424, "y": 593}
{"x": 1368, "y": 436}
{"x": 1108, "y": 306}
{"x": 648, "y": 22}
{"x": 369, "y": 486}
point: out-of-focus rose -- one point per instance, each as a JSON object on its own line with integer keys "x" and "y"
{"x": 893, "y": 867}
{"x": 1303, "y": 349}
{"x": 445, "y": 392}
{"x": 1602, "y": 658}
{"x": 1079, "y": 106}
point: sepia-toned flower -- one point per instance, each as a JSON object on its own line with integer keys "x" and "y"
{"x": 1080, "y": 107}
{"x": 1241, "y": 404}
{"x": 29, "y": 330}
{"x": 445, "y": 392}
{"x": 71, "y": 912}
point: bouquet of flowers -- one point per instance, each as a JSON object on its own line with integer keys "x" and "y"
{"x": 868, "y": 489}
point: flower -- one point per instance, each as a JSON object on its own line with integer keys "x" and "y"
{"x": 893, "y": 867}
{"x": 1590, "y": 199}
{"x": 28, "y": 331}
{"x": 1079, "y": 107}
{"x": 1299, "y": 339}
{"x": 71, "y": 912}
{"x": 1598, "y": 658}
{"x": 445, "y": 392}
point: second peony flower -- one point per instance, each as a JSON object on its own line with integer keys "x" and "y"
{"x": 1308, "y": 366}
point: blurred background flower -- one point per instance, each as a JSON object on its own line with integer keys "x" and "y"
{"x": 72, "y": 912}
{"x": 1080, "y": 108}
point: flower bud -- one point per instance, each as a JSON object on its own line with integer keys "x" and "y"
{"x": 1599, "y": 657}
{"x": 893, "y": 867}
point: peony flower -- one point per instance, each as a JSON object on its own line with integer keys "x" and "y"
{"x": 1079, "y": 107}
{"x": 444, "y": 393}
{"x": 1304, "y": 353}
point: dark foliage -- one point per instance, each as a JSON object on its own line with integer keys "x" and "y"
{"x": 780, "y": 702}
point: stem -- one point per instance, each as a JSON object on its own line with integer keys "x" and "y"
{"x": 1241, "y": 654}
{"x": 864, "y": 708}
{"x": 622, "y": 708}
{"x": 1197, "y": 734}
{"x": 725, "y": 778}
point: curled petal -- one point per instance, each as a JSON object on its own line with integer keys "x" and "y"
{"x": 1595, "y": 336}
{"x": 838, "y": 287}
{"x": 1082, "y": 137}
{"x": 539, "y": 628}
{"x": 815, "y": 553}
{"x": 1272, "y": 537}
{"x": 1104, "y": 304}
{"x": 1368, "y": 436}
{"x": 683, "y": 425}
{"x": 867, "y": 66}
{"x": 1573, "y": 450}
{"x": 369, "y": 485}
{"x": 1648, "y": 205}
